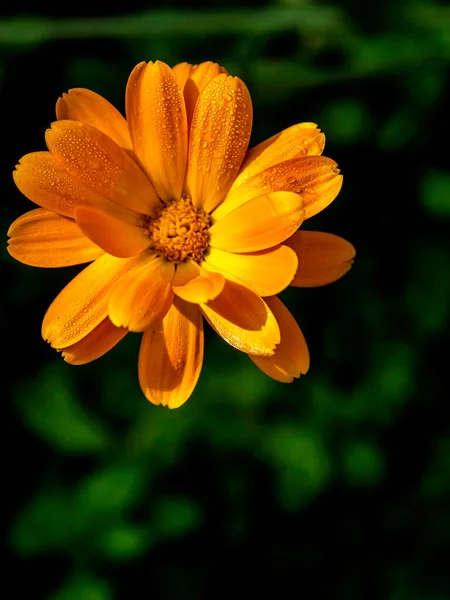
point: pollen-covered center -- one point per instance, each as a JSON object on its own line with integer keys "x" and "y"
{"x": 180, "y": 231}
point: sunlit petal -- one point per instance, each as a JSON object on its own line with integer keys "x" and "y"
{"x": 220, "y": 132}
{"x": 197, "y": 285}
{"x": 88, "y": 107}
{"x": 156, "y": 117}
{"x": 95, "y": 344}
{"x": 258, "y": 224}
{"x": 41, "y": 238}
{"x": 143, "y": 295}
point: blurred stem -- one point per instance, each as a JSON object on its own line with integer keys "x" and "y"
{"x": 307, "y": 19}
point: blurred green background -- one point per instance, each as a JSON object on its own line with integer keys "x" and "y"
{"x": 336, "y": 486}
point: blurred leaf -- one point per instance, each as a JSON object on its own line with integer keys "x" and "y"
{"x": 175, "y": 516}
{"x": 398, "y": 130}
{"x": 428, "y": 292}
{"x": 110, "y": 490}
{"x": 363, "y": 463}
{"x": 301, "y": 463}
{"x": 51, "y": 408}
{"x": 46, "y": 523}
{"x": 123, "y": 541}
{"x": 346, "y": 120}
{"x": 84, "y": 587}
{"x": 435, "y": 193}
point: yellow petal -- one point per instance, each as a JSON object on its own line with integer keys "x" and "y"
{"x": 243, "y": 320}
{"x": 101, "y": 165}
{"x": 82, "y": 304}
{"x": 171, "y": 356}
{"x": 143, "y": 295}
{"x": 268, "y": 272}
{"x": 258, "y": 224}
{"x": 315, "y": 178}
{"x": 88, "y": 107}
{"x": 322, "y": 257}
{"x": 97, "y": 343}
{"x": 291, "y": 357}
{"x": 156, "y": 117}
{"x": 194, "y": 284}
{"x": 42, "y": 179}
{"x": 115, "y": 236}
{"x": 303, "y": 139}
{"x": 41, "y": 238}
{"x": 220, "y": 132}
{"x": 182, "y": 71}
{"x": 198, "y": 79}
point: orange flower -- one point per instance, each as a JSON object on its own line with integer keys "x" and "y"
{"x": 179, "y": 222}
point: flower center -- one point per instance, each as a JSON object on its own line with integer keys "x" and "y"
{"x": 180, "y": 231}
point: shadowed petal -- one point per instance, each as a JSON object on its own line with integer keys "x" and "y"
{"x": 194, "y": 284}
{"x": 267, "y": 272}
{"x": 220, "y": 132}
{"x": 115, "y": 236}
{"x": 243, "y": 320}
{"x": 198, "y": 79}
{"x": 291, "y": 357}
{"x": 258, "y": 224}
{"x": 171, "y": 356}
{"x": 143, "y": 295}
{"x": 101, "y": 165}
{"x": 41, "y": 238}
{"x": 96, "y": 343}
{"x": 88, "y": 107}
{"x": 156, "y": 117}
{"x": 82, "y": 304}
{"x": 315, "y": 178}
{"x": 322, "y": 257}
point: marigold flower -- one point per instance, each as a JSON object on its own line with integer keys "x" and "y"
{"x": 179, "y": 222}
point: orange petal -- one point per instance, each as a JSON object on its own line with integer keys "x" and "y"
{"x": 268, "y": 272}
{"x": 156, "y": 117}
{"x": 315, "y": 178}
{"x": 82, "y": 304}
{"x": 182, "y": 71}
{"x": 88, "y": 107}
{"x": 41, "y": 178}
{"x": 101, "y": 165}
{"x": 171, "y": 356}
{"x": 198, "y": 79}
{"x": 291, "y": 357}
{"x": 97, "y": 343}
{"x": 258, "y": 224}
{"x": 143, "y": 295}
{"x": 41, "y": 238}
{"x": 194, "y": 284}
{"x": 243, "y": 320}
{"x": 220, "y": 132}
{"x": 322, "y": 257}
{"x": 303, "y": 139}
{"x": 115, "y": 236}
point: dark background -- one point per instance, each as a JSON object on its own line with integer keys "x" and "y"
{"x": 336, "y": 486}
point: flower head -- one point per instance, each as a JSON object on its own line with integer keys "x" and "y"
{"x": 179, "y": 222}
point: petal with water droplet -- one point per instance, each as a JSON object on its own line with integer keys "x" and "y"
{"x": 101, "y": 165}
{"x": 156, "y": 115}
{"x": 315, "y": 178}
{"x": 88, "y": 107}
{"x": 220, "y": 132}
